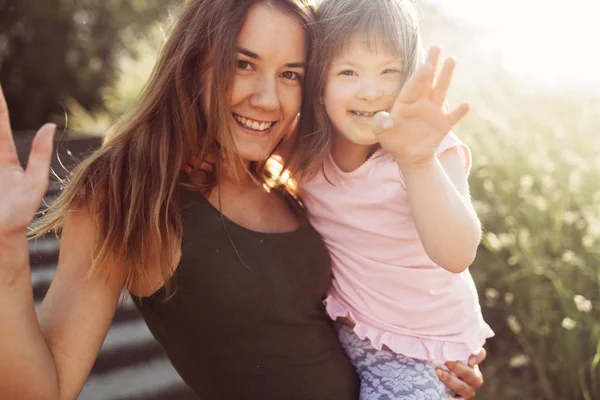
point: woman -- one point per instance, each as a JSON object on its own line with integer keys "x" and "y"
{"x": 228, "y": 279}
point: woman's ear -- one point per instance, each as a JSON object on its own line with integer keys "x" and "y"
{"x": 293, "y": 129}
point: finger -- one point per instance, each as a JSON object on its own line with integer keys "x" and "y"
{"x": 477, "y": 358}
{"x": 417, "y": 84}
{"x": 438, "y": 96}
{"x": 458, "y": 113}
{"x": 432, "y": 58}
{"x": 38, "y": 165}
{"x": 456, "y": 385}
{"x": 421, "y": 82}
{"x": 8, "y": 152}
{"x": 470, "y": 375}
{"x": 382, "y": 121}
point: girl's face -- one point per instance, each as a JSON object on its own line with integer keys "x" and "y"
{"x": 363, "y": 80}
{"x": 267, "y": 87}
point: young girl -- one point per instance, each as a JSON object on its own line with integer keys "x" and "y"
{"x": 392, "y": 201}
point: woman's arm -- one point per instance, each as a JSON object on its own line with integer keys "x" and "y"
{"x": 48, "y": 355}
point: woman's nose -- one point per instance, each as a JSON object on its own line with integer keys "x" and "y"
{"x": 265, "y": 94}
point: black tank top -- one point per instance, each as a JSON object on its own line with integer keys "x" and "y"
{"x": 246, "y": 320}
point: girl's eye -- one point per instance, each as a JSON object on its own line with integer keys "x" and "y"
{"x": 245, "y": 65}
{"x": 291, "y": 75}
{"x": 348, "y": 73}
{"x": 391, "y": 71}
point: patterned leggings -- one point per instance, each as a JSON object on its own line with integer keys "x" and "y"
{"x": 385, "y": 375}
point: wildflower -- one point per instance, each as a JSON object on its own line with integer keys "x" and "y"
{"x": 526, "y": 182}
{"x": 518, "y": 361}
{"x": 493, "y": 242}
{"x": 582, "y": 304}
{"x": 568, "y": 256}
{"x": 568, "y": 324}
{"x": 513, "y": 324}
{"x": 509, "y": 298}
{"x": 491, "y": 293}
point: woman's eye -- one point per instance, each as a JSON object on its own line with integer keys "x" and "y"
{"x": 294, "y": 76}
{"x": 245, "y": 65}
{"x": 347, "y": 73}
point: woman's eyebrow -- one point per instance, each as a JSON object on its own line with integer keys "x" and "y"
{"x": 255, "y": 56}
{"x": 248, "y": 53}
{"x": 296, "y": 65}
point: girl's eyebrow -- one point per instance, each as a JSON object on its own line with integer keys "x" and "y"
{"x": 385, "y": 63}
{"x": 255, "y": 56}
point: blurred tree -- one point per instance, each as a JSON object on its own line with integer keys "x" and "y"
{"x": 52, "y": 50}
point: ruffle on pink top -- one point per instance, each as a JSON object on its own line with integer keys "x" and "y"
{"x": 421, "y": 348}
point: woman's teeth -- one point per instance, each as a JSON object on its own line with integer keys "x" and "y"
{"x": 249, "y": 123}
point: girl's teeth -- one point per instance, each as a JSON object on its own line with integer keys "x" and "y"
{"x": 243, "y": 120}
{"x": 248, "y": 123}
{"x": 255, "y": 125}
{"x": 262, "y": 126}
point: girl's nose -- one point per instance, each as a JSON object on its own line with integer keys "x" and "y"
{"x": 368, "y": 90}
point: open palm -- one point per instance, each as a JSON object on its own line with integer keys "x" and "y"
{"x": 21, "y": 191}
{"x": 418, "y": 123}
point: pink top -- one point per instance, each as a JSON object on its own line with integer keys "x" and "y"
{"x": 382, "y": 277}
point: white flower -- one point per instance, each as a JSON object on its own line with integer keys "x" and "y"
{"x": 513, "y": 324}
{"x": 583, "y": 304}
{"x": 518, "y": 361}
{"x": 509, "y": 298}
{"x": 568, "y": 324}
{"x": 491, "y": 293}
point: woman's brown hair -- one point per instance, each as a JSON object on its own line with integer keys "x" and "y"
{"x": 129, "y": 185}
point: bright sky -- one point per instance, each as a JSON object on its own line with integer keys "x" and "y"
{"x": 546, "y": 40}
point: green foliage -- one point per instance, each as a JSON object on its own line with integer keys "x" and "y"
{"x": 535, "y": 185}
{"x": 53, "y": 50}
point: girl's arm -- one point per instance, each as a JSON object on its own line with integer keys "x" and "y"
{"x": 438, "y": 194}
{"x": 437, "y": 188}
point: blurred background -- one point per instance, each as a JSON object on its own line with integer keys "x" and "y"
{"x": 531, "y": 70}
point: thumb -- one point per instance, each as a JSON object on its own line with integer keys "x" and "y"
{"x": 382, "y": 121}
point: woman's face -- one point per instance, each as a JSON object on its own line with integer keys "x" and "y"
{"x": 267, "y": 87}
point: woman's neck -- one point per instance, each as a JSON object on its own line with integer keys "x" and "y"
{"x": 239, "y": 174}
{"x": 349, "y": 156}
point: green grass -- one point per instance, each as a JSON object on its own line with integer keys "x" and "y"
{"x": 535, "y": 184}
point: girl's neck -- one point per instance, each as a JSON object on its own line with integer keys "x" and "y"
{"x": 349, "y": 156}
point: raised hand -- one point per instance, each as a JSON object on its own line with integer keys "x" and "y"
{"x": 418, "y": 122}
{"x": 21, "y": 191}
